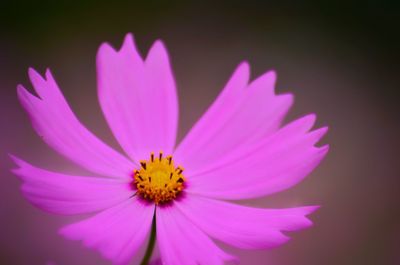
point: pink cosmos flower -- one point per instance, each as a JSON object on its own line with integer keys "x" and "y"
{"x": 237, "y": 150}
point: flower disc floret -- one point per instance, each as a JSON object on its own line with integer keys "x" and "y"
{"x": 158, "y": 179}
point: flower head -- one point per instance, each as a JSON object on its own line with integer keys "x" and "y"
{"x": 237, "y": 150}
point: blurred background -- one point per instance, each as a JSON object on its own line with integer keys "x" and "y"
{"x": 340, "y": 59}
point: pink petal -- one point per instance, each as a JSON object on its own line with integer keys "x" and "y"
{"x": 66, "y": 194}
{"x": 54, "y": 121}
{"x": 138, "y": 98}
{"x": 181, "y": 242}
{"x": 274, "y": 164}
{"x": 241, "y": 226}
{"x": 241, "y": 115}
{"x": 219, "y": 112}
{"x": 117, "y": 232}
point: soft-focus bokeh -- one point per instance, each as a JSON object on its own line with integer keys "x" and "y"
{"x": 339, "y": 59}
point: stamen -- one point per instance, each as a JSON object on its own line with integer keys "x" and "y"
{"x": 158, "y": 180}
{"x": 179, "y": 170}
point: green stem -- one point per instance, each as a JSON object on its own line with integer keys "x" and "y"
{"x": 152, "y": 241}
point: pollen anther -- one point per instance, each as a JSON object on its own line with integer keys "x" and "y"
{"x": 158, "y": 180}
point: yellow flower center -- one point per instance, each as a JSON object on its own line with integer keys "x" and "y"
{"x": 158, "y": 179}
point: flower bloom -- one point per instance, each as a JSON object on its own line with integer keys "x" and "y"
{"x": 237, "y": 150}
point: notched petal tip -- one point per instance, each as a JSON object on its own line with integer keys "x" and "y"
{"x": 20, "y": 89}
{"x": 308, "y": 121}
{"x": 244, "y": 68}
{"x": 36, "y": 78}
{"x": 302, "y": 124}
{"x": 42, "y": 84}
{"x": 244, "y": 65}
{"x": 311, "y": 118}
{"x": 127, "y": 50}
{"x": 310, "y": 209}
{"x": 287, "y": 97}
{"x": 33, "y": 74}
{"x": 18, "y": 163}
{"x": 158, "y": 45}
{"x": 105, "y": 48}
{"x": 241, "y": 75}
{"x": 324, "y": 149}
{"x": 300, "y": 218}
{"x": 27, "y": 99}
{"x": 265, "y": 82}
{"x": 317, "y": 134}
{"x": 23, "y": 93}
{"x": 323, "y": 130}
{"x": 273, "y": 75}
{"x": 15, "y": 159}
{"x": 129, "y": 40}
{"x": 158, "y": 51}
{"x": 49, "y": 75}
{"x": 129, "y": 46}
{"x": 283, "y": 239}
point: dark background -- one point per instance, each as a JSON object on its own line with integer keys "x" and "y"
{"x": 340, "y": 59}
